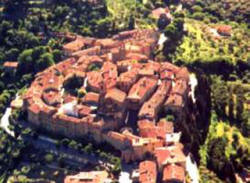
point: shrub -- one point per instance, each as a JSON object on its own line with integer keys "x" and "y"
{"x": 197, "y": 8}
{"x": 198, "y": 15}
{"x": 12, "y": 54}
{"x": 163, "y": 22}
{"x": 49, "y": 158}
{"x": 170, "y": 117}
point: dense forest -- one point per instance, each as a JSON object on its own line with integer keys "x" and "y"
{"x": 29, "y": 32}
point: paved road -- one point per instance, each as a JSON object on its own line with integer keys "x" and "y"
{"x": 5, "y": 122}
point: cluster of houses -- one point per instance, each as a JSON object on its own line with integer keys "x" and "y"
{"x": 116, "y": 75}
{"x": 89, "y": 177}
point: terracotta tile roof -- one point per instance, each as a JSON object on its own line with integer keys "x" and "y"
{"x": 181, "y": 88}
{"x": 60, "y": 67}
{"x": 106, "y": 43}
{"x": 95, "y": 80}
{"x": 151, "y": 108}
{"x": 34, "y": 108}
{"x": 116, "y": 96}
{"x": 174, "y": 100}
{"x": 75, "y": 45}
{"x": 127, "y": 79}
{"x": 224, "y": 30}
{"x": 109, "y": 74}
{"x": 162, "y": 154}
{"x": 168, "y": 155}
{"x": 148, "y": 129}
{"x": 51, "y": 96}
{"x": 10, "y": 64}
{"x": 88, "y": 177}
{"x": 83, "y": 111}
{"x": 173, "y": 173}
{"x": 145, "y": 123}
{"x": 69, "y": 98}
{"x": 117, "y": 139}
{"x": 165, "y": 74}
{"x": 168, "y": 127}
{"x": 155, "y": 66}
{"x": 90, "y": 51}
{"x": 136, "y": 56}
{"x": 124, "y": 65}
{"x": 142, "y": 90}
{"x": 182, "y": 74}
{"x": 146, "y": 72}
{"x": 125, "y": 35}
{"x": 91, "y": 98}
{"x": 65, "y": 119}
{"x": 148, "y": 172}
{"x": 169, "y": 67}
{"x": 157, "y": 12}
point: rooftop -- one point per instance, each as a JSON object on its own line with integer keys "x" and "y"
{"x": 148, "y": 172}
{"x": 124, "y": 83}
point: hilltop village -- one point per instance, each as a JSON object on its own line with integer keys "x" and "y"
{"x": 115, "y": 78}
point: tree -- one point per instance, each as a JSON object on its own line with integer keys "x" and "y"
{"x": 12, "y": 54}
{"x": 72, "y": 84}
{"x": 73, "y": 144}
{"x": 57, "y": 55}
{"x": 170, "y": 117}
{"x": 45, "y": 61}
{"x": 65, "y": 142}
{"x": 198, "y": 15}
{"x": 25, "y": 61}
{"x": 121, "y": 12}
{"x": 175, "y": 30}
{"x": 49, "y": 158}
{"x": 231, "y": 105}
{"x": 219, "y": 95}
{"x": 240, "y": 104}
{"x": 163, "y": 22}
{"x": 245, "y": 124}
{"x": 117, "y": 165}
{"x": 88, "y": 148}
{"x": 216, "y": 151}
{"x": 197, "y": 8}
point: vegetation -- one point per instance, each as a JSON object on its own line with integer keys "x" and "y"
{"x": 226, "y": 150}
{"x": 73, "y": 84}
{"x": 201, "y": 47}
{"x": 10, "y": 153}
{"x": 220, "y": 10}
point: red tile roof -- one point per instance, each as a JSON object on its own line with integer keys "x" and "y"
{"x": 170, "y": 154}
{"x": 224, "y": 30}
{"x": 173, "y": 173}
{"x": 151, "y": 108}
{"x": 115, "y": 95}
{"x": 157, "y": 12}
{"x": 142, "y": 90}
{"x": 75, "y": 45}
{"x": 88, "y": 177}
{"x": 91, "y": 98}
{"x": 10, "y": 64}
{"x": 148, "y": 172}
